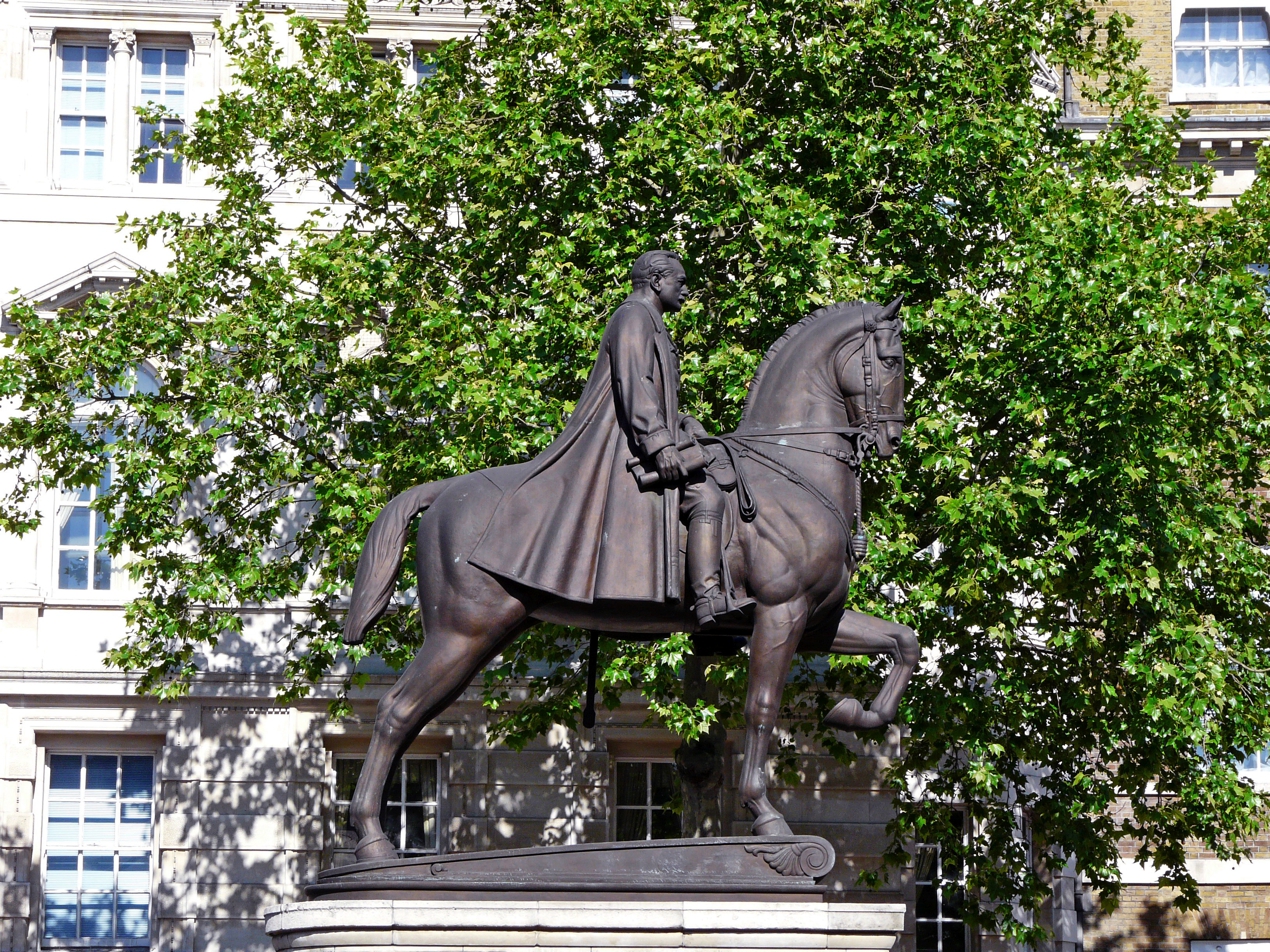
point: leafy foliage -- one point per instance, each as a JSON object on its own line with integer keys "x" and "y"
{"x": 1074, "y": 527}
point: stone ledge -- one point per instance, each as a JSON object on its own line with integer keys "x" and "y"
{"x": 329, "y": 925}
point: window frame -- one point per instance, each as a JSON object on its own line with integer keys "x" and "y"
{"x": 84, "y": 41}
{"x": 163, "y": 157}
{"x": 337, "y": 804}
{"x": 1208, "y": 91}
{"x": 72, "y": 498}
{"x": 940, "y": 920}
{"x": 84, "y": 751}
{"x": 649, "y": 807}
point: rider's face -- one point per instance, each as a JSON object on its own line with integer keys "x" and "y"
{"x": 672, "y": 288}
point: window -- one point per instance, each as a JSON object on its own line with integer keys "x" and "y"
{"x": 424, "y": 70}
{"x": 163, "y": 84}
{"x": 408, "y": 813}
{"x": 81, "y": 123}
{"x": 97, "y": 849}
{"x": 940, "y": 893}
{"x": 82, "y": 562}
{"x": 645, "y": 791}
{"x": 1223, "y": 48}
{"x": 348, "y": 175}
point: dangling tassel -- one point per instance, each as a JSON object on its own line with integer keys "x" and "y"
{"x": 859, "y": 541}
{"x": 588, "y": 712}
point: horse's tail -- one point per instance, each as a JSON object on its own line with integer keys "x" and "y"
{"x": 377, "y": 568}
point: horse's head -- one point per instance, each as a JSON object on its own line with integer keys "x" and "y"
{"x": 870, "y": 371}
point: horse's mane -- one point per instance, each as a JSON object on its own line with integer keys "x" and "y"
{"x": 833, "y": 310}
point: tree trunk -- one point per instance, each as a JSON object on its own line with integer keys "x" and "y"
{"x": 700, "y": 762}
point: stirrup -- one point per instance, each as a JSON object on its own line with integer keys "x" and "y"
{"x": 710, "y": 605}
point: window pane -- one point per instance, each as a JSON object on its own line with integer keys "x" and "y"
{"x": 1257, "y": 67}
{"x": 134, "y": 916}
{"x": 64, "y": 772}
{"x": 134, "y": 871}
{"x": 665, "y": 783}
{"x": 1225, "y": 67}
{"x": 421, "y": 781}
{"x": 666, "y": 825}
{"x": 63, "y": 821}
{"x": 632, "y": 825}
{"x": 927, "y": 937}
{"x": 72, "y": 569}
{"x": 138, "y": 777}
{"x": 1223, "y": 26}
{"x": 96, "y": 915}
{"x": 632, "y": 784}
{"x": 171, "y": 171}
{"x": 99, "y": 822}
{"x": 151, "y": 62}
{"x": 134, "y": 826}
{"x": 392, "y": 790}
{"x": 421, "y": 828}
{"x": 1190, "y": 67}
{"x": 1192, "y": 28}
{"x": 63, "y": 871}
{"x": 101, "y": 572}
{"x": 100, "y": 774}
{"x": 95, "y": 97}
{"x": 59, "y": 915}
{"x": 72, "y": 59}
{"x": 95, "y": 60}
{"x": 390, "y": 820}
{"x": 954, "y": 937}
{"x": 346, "y": 774}
{"x": 954, "y": 900}
{"x": 348, "y": 175}
{"x": 94, "y": 133}
{"x": 927, "y": 902}
{"x": 94, "y": 166}
{"x": 99, "y": 871}
{"x": 1253, "y": 23}
{"x": 150, "y": 174}
{"x": 75, "y": 521}
{"x": 924, "y": 865}
{"x": 175, "y": 60}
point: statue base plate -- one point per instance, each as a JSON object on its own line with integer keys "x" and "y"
{"x": 736, "y": 868}
{"x": 437, "y": 925}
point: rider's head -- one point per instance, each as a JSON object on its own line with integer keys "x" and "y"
{"x": 661, "y": 272}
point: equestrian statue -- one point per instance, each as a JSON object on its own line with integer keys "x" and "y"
{"x": 590, "y": 533}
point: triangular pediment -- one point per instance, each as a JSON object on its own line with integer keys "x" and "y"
{"x": 108, "y": 273}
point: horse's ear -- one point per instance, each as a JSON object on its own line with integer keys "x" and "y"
{"x": 891, "y": 309}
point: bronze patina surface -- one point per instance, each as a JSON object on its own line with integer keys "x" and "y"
{"x": 584, "y": 535}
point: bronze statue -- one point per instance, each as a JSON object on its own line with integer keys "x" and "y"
{"x": 587, "y": 534}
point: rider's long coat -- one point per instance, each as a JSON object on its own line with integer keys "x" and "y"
{"x": 578, "y": 525}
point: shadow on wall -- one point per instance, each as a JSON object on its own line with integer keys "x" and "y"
{"x": 1151, "y": 924}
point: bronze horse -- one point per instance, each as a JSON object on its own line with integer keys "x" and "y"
{"x": 829, "y": 391}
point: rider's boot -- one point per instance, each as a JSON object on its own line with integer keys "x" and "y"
{"x": 705, "y": 539}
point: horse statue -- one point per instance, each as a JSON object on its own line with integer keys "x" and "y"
{"x": 828, "y": 392}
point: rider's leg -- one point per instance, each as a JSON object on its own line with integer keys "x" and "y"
{"x": 702, "y": 509}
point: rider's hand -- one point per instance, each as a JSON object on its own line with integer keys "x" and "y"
{"x": 670, "y": 465}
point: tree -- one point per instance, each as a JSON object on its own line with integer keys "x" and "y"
{"x": 1074, "y": 527}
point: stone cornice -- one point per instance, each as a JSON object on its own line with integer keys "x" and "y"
{"x": 119, "y": 14}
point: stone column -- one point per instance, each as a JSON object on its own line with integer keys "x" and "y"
{"x": 122, "y": 124}
{"x": 42, "y": 100}
{"x": 401, "y": 53}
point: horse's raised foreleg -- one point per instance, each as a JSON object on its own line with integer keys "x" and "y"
{"x": 860, "y": 634}
{"x": 777, "y": 631}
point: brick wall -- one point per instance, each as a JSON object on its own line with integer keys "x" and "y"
{"x": 1147, "y": 921}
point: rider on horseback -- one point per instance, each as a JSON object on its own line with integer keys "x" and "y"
{"x": 659, "y": 284}
{"x": 608, "y": 533}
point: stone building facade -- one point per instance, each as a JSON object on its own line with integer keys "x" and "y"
{"x": 129, "y": 824}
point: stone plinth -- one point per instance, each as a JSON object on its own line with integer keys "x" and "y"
{"x": 442, "y": 925}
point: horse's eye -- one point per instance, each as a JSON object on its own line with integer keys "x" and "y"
{"x": 890, "y": 363}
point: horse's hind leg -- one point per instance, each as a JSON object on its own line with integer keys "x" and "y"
{"x": 865, "y": 635}
{"x": 468, "y": 617}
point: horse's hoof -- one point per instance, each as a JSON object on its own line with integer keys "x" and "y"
{"x": 850, "y": 715}
{"x": 374, "y": 847}
{"x": 773, "y": 824}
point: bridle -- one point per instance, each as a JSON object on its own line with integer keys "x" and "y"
{"x": 862, "y": 439}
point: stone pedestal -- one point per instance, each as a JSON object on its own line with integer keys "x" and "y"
{"x": 444, "y": 925}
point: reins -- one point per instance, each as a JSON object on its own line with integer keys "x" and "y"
{"x": 862, "y": 439}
